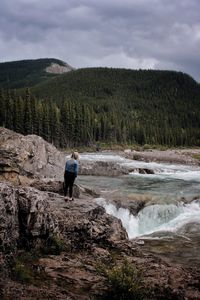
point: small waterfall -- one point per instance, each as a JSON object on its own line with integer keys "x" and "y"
{"x": 129, "y": 222}
{"x": 155, "y": 218}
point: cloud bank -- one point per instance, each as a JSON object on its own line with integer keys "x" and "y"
{"x": 156, "y": 34}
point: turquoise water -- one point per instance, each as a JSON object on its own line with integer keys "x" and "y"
{"x": 176, "y": 181}
{"x": 170, "y": 227}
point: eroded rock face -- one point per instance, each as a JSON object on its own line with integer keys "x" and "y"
{"x": 9, "y": 225}
{"x": 58, "y": 69}
{"x": 29, "y": 156}
{"x": 30, "y": 214}
{"x": 36, "y": 220}
{"x": 25, "y": 215}
{"x": 92, "y": 227}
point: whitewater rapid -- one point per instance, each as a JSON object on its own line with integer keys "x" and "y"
{"x": 168, "y": 184}
{"x": 163, "y": 171}
{"x": 168, "y": 218}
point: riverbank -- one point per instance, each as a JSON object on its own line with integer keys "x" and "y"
{"x": 188, "y": 156}
{"x": 177, "y": 156}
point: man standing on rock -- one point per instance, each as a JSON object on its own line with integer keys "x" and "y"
{"x": 71, "y": 171}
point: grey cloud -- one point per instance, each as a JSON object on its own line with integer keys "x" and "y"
{"x": 132, "y": 33}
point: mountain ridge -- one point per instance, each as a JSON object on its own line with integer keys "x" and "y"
{"x": 111, "y": 105}
{"x": 28, "y": 72}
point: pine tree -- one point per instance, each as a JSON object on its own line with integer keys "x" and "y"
{"x": 9, "y": 111}
{"x": 2, "y": 108}
{"x": 28, "y": 125}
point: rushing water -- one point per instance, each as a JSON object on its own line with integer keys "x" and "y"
{"x": 156, "y": 218}
{"x": 173, "y": 180}
{"x": 169, "y": 227}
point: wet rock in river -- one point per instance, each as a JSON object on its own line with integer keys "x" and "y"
{"x": 102, "y": 168}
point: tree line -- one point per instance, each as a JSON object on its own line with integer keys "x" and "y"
{"x": 71, "y": 123}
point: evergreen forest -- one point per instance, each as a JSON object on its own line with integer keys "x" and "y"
{"x": 103, "y": 105}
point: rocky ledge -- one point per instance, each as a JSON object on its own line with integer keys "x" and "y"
{"x": 77, "y": 245}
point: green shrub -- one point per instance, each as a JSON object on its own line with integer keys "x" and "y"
{"x": 124, "y": 282}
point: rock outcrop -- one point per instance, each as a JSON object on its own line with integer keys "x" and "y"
{"x": 28, "y": 156}
{"x": 32, "y": 214}
{"x": 59, "y": 69}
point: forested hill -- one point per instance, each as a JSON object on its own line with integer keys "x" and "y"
{"x": 108, "y": 105}
{"x": 120, "y": 84}
{"x": 26, "y": 73}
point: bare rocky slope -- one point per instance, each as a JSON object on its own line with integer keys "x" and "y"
{"x": 52, "y": 249}
{"x": 58, "y": 69}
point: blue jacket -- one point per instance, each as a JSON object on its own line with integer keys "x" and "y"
{"x": 72, "y": 166}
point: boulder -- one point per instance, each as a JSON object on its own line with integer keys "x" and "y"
{"x": 29, "y": 155}
{"x": 25, "y": 215}
{"x": 141, "y": 170}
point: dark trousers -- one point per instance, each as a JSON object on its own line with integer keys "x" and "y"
{"x": 68, "y": 183}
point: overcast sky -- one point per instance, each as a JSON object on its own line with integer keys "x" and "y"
{"x": 150, "y": 34}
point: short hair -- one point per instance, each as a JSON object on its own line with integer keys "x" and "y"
{"x": 75, "y": 155}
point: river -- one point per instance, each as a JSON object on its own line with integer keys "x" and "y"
{"x": 169, "y": 225}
